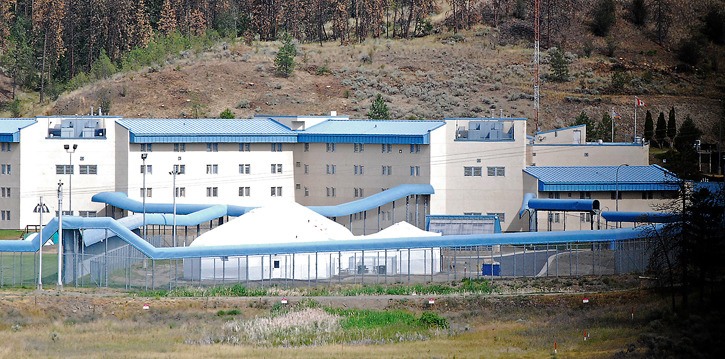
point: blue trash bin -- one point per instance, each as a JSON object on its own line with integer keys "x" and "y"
{"x": 491, "y": 269}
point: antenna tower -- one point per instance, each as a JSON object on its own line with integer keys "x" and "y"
{"x": 537, "y": 56}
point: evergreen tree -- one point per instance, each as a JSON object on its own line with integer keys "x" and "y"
{"x": 604, "y": 17}
{"x": 142, "y": 32}
{"x": 559, "y": 65}
{"x": 379, "y": 110}
{"x": 687, "y": 135}
{"x": 19, "y": 58}
{"x": 284, "y": 62}
{"x": 583, "y": 119}
{"x": 639, "y": 12}
{"x": 661, "y": 130}
{"x": 672, "y": 127}
{"x": 604, "y": 128}
{"x": 649, "y": 127}
{"x": 167, "y": 20}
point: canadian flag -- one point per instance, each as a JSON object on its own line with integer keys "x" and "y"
{"x": 638, "y": 102}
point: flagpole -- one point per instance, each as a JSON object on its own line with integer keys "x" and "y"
{"x": 635, "y": 119}
{"x": 612, "y": 124}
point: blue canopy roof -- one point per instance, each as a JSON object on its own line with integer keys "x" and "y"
{"x": 371, "y": 131}
{"x": 604, "y": 178}
{"x": 10, "y": 128}
{"x": 207, "y": 130}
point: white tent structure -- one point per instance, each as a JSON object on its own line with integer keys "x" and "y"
{"x": 264, "y": 225}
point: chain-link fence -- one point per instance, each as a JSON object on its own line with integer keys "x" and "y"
{"x": 123, "y": 266}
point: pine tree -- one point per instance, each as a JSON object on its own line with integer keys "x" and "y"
{"x": 649, "y": 127}
{"x": 672, "y": 127}
{"x": 604, "y": 17}
{"x": 639, "y": 12}
{"x": 604, "y": 128}
{"x": 48, "y": 18}
{"x": 687, "y": 135}
{"x": 6, "y": 21}
{"x": 378, "y": 109}
{"x": 197, "y": 22}
{"x": 583, "y": 119}
{"x": 559, "y": 65}
{"x": 167, "y": 21}
{"x": 142, "y": 32}
{"x": 661, "y": 130}
{"x": 284, "y": 62}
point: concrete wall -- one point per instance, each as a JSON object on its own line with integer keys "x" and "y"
{"x": 590, "y": 154}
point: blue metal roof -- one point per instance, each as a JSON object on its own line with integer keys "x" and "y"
{"x": 604, "y": 178}
{"x": 370, "y": 131}
{"x": 484, "y": 119}
{"x": 10, "y": 128}
{"x": 641, "y": 217}
{"x": 207, "y": 130}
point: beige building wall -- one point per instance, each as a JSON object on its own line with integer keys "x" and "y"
{"x": 590, "y": 154}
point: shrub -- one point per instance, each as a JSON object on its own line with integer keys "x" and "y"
{"x": 227, "y": 114}
{"x": 103, "y": 68}
{"x": 690, "y": 51}
{"x": 432, "y": 320}
{"x": 639, "y": 12}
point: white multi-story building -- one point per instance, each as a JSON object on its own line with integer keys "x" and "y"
{"x": 472, "y": 165}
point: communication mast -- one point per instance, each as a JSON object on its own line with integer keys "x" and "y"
{"x": 537, "y": 56}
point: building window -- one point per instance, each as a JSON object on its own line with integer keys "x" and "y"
{"x": 275, "y": 191}
{"x": 307, "y": 147}
{"x": 179, "y": 147}
{"x": 331, "y": 192}
{"x": 501, "y": 216}
{"x": 5, "y": 192}
{"x": 298, "y": 164}
{"x": 307, "y": 169}
{"x": 554, "y": 195}
{"x": 415, "y": 171}
{"x": 276, "y": 168}
{"x": 180, "y": 192}
{"x": 147, "y": 147}
{"x": 554, "y": 217}
{"x": 387, "y": 170}
{"x": 212, "y": 191}
{"x": 359, "y": 170}
{"x": 473, "y": 171}
{"x": 330, "y": 147}
{"x": 358, "y": 192}
{"x": 647, "y": 195}
{"x": 212, "y": 147}
{"x": 212, "y": 169}
{"x": 585, "y": 195}
{"x": 585, "y": 217}
{"x": 180, "y": 169}
{"x": 88, "y": 169}
{"x": 307, "y": 192}
{"x": 359, "y": 147}
{"x": 276, "y": 147}
{"x": 496, "y": 171}
{"x": 244, "y": 191}
{"x": 59, "y": 169}
{"x": 244, "y": 147}
{"x": 387, "y": 148}
{"x": 414, "y": 148}
{"x": 148, "y": 191}
{"x": 148, "y": 169}
{"x": 7, "y": 147}
{"x": 245, "y": 168}
{"x": 614, "y": 195}
{"x": 87, "y": 213}
{"x": 5, "y": 215}
{"x": 331, "y": 169}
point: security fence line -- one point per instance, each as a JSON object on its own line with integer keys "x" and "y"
{"x": 126, "y": 267}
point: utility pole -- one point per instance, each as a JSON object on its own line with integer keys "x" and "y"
{"x": 60, "y": 235}
{"x": 537, "y": 60}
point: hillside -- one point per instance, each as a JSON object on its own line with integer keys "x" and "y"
{"x": 476, "y": 72}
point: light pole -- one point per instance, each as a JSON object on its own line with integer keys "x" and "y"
{"x": 60, "y": 235}
{"x": 616, "y": 188}
{"x": 173, "y": 193}
{"x": 143, "y": 192}
{"x": 70, "y": 149}
{"x": 40, "y": 208}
